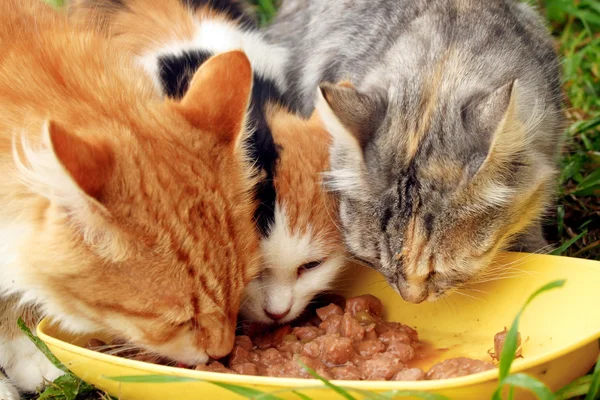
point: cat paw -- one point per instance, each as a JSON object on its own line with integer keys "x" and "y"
{"x": 30, "y": 369}
{"x": 7, "y": 390}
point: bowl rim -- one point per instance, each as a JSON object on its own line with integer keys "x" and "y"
{"x": 518, "y": 365}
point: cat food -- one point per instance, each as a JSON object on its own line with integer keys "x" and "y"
{"x": 345, "y": 340}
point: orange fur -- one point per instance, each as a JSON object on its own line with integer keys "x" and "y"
{"x": 134, "y": 214}
{"x": 146, "y": 21}
{"x": 305, "y": 156}
{"x": 305, "y": 226}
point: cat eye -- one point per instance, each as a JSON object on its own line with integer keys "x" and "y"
{"x": 308, "y": 266}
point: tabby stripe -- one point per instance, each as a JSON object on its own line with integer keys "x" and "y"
{"x": 176, "y": 72}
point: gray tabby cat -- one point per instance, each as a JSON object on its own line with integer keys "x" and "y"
{"x": 446, "y": 150}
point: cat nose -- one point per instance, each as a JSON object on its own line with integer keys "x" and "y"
{"x": 413, "y": 294}
{"x": 277, "y": 316}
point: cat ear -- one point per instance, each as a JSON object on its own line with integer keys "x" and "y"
{"x": 90, "y": 165}
{"x": 349, "y": 114}
{"x": 218, "y": 95}
{"x": 72, "y": 172}
{"x": 68, "y": 169}
{"x": 494, "y": 120}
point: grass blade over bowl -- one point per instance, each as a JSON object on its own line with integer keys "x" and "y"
{"x": 342, "y": 392}
{"x": 541, "y": 391}
{"x": 247, "y": 392}
{"x": 41, "y": 345}
{"x": 509, "y": 349}
{"x": 577, "y": 388}
{"x": 393, "y": 394}
{"x": 151, "y": 379}
{"x": 595, "y": 383}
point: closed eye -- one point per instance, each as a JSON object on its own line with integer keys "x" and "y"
{"x": 308, "y": 266}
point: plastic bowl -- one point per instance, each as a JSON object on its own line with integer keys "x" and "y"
{"x": 559, "y": 329}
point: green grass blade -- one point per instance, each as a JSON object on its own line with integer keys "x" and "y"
{"x": 369, "y": 395}
{"x": 560, "y": 250}
{"x": 56, "y": 3}
{"x": 150, "y": 379}
{"x": 579, "y": 387}
{"x": 247, "y": 392}
{"x": 510, "y": 344}
{"x": 301, "y": 395}
{"x": 595, "y": 383}
{"x": 241, "y": 390}
{"x": 540, "y": 390}
{"x": 509, "y": 349}
{"x": 39, "y": 343}
{"x": 330, "y": 385}
{"x": 412, "y": 393}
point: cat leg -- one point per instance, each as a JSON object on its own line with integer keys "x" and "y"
{"x": 532, "y": 241}
{"x": 7, "y": 390}
{"x": 25, "y": 366}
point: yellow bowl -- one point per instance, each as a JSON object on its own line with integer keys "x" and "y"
{"x": 560, "y": 331}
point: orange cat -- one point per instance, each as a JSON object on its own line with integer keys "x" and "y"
{"x": 302, "y": 247}
{"x": 120, "y": 211}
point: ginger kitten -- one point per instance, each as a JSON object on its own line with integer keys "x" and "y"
{"x": 120, "y": 211}
{"x": 297, "y": 219}
{"x": 445, "y": 153}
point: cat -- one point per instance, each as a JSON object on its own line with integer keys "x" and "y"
{"x": 445, "y": 152}
{"x": 301, "y": 244}
{"x": 121, "y": 212}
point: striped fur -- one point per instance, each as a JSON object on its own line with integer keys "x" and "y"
{"x": 296, "y": 217}
{"x": 101, "y": 229}
{"x": 445, "y": 153}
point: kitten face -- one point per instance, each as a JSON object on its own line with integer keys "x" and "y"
{"x": 149, "y": 232}
{"x": 303, "y": 252}
{"x": 430, "y": 205}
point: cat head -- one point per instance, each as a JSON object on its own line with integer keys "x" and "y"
{"x": 303, "y": 251}
{"x": 432, "y": 186}
{"x": 147, "y": 229}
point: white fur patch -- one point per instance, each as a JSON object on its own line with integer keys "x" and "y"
{"x": 7, "y": 390}
{"x": 216, "y": 37}
{"x": 346, "y": 154}
{"x": 25, "y": 365}
{"x": 280, "y": 288}
{"x": 11, "y": 236}
{"x": 497, "y": 194}
{"x": 42, "y": 172}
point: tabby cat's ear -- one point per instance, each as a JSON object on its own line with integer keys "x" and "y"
{"x": 349, "y": 114}
{"x": 88, "y": 164}
{"x": 494, "y": 120}
{"x": 218, "y": 96}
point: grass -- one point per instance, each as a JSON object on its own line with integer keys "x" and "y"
{"x": 576, "y": 26}
{"x": 573, "y": 225}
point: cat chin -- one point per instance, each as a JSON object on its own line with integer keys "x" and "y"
{"x": 281, "y": 288}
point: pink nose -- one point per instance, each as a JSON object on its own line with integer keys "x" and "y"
{"x": 277, "y": 316}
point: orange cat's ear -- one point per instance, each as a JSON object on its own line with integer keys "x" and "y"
{"x": 218, "y": 95}
{"x": 89, "y": 164}
{"x": 66, "y": 169}
{"x": 349, "y": 114}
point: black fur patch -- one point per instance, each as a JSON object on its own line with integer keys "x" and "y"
{"x": 264, "y": 150}
{"x": 230, "y": 7}
{"x": 408, "y": 190}
{"x": 428, "y": 221}
{"x": 176, "y": 71}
